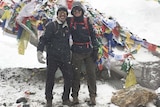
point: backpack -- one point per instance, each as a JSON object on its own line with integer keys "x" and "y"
{"x": 85, "y": 22}
{"x": 56, "y": 27}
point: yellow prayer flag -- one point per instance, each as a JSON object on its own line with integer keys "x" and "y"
{"x": 130, "y": 79}
{"x": 23, "y": 42}
{"x": 138, "y": 47}
{"x": 128, "y": 40}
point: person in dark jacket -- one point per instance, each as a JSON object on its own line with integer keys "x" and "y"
{"x": 56, "y": 41}
{"x": 84, "y": 49}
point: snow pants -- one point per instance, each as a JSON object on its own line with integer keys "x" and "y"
{"x": 65, "y": 67}
{"x": 90, "y": 66}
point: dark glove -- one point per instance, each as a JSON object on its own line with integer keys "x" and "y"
{"x": 95, "y": 55}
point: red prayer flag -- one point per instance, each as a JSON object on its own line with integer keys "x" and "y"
{"x": 152, "y": 47}
{"x": 69, "y": 4}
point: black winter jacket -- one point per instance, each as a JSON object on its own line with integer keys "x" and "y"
{"x": 82, "y": 36}
{"x": 56, "y": 41}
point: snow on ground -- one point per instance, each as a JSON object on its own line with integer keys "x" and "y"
{"x": 16, "y": 81}
{"x": 140, "y": 16}
{"x": 15, "y": 78}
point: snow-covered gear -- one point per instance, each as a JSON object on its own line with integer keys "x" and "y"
{"x": 40, "y": 57}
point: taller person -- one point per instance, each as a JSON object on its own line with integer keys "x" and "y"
{"x": 56, "y": 41}
{"x": 84, "y": 49}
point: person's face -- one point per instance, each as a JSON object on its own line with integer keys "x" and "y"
{"x": 62, "y": 15}
{"x": 77, "y": 11}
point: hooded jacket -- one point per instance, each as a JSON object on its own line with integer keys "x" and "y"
{"x": 84, "y": 39}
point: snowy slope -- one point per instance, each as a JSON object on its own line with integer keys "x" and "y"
{"x": 141, "y": 17}
{"x": 145, "y": 62}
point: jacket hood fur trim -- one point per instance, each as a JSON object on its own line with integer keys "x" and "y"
{"x": 64, "y": 24}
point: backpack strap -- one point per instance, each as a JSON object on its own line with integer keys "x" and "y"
{"x": 71, "y": 22}
{"x": 56, "y": 27}
{"x": 85, "y": 22}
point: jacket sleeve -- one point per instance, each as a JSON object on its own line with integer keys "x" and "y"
{"x": 93, "y": 35}
{"x": 45, "y": 39}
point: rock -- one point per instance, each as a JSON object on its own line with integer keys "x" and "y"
{"x": 134, "y": 96}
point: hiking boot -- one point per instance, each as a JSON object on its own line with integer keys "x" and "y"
{"x": 75, "y": 101}
{"x": 92, "y": 101}
{"x": 67, "y": 102}
{"x": 49, "y": 103}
